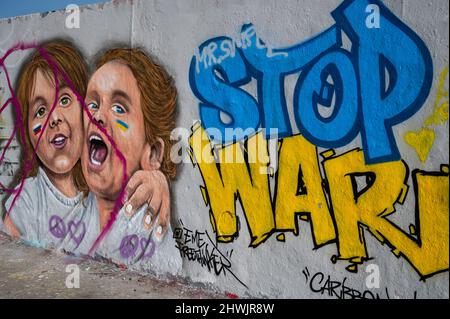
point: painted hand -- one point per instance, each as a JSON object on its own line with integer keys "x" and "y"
{"x": 152, "y": 188}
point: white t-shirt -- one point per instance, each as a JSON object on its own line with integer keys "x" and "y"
{"x": 39, "y": 204}
{"x": 130, "y": 243}
{"x": 46, "y": 217}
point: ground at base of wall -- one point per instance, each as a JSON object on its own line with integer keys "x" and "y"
{"x": 29, "y": 272}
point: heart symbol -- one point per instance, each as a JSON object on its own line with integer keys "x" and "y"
{"x": 73, "y": 230}
{"x": 421, "y": 142}
{"x": 145, "y": 243}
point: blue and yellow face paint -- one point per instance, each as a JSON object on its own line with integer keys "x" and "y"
{"x": 37, "y": 128}
{"x": 122, "y": 125}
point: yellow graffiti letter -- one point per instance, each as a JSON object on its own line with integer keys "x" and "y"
{"x": 299, "y": 190}
{"x": 237, "y": 175}
{"x": 352, "y": 209}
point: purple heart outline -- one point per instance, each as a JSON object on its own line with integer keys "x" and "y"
{"x": 73, "y": 228}
{"x": 145, "y": 243}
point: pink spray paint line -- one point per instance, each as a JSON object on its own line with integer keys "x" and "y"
{"x": 2, "y": 157}
{"x": 119, "y": 201}
{"x": 5, "y": 104}
{"x": 20, "y": 123}
{"x": 8, "y": 143}
{"x": 12, "y": 134}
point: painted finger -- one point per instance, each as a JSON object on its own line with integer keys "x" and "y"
{"x": 139, "y": 198}
{"x": 163, "y": 221}
{"x": 137, "y": 179}
{"x": 149, "y": 218}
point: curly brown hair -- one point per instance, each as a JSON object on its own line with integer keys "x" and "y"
{"x": 158, "y": 98}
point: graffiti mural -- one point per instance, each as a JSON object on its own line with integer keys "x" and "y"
{"x": 369, "y": 88}
{"x": 277, "y": 149}
{"x": 423, "y": 140}
{"x": 364, "y": 103}
{"x": 95, "y": 171}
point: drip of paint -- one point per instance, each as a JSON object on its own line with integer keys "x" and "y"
{"x": 122, "y": 125}
{"x": 37, "y": 128}
{"x": 231, "y": 296}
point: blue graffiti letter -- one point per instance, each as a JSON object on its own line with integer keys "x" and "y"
{"x": 215, "y": 77}
{"x": 314, "y": 88}
{"x": 271, "y": 66}
{"x": 391, "y": 49}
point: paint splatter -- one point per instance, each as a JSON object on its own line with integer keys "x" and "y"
{"x": 231, "y": 296}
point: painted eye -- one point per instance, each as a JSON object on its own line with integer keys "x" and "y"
{"x": 65, "y": 101}
{"x": 118, "y": 109}
{"x": 40, "y": 113}
{"x": 92, "y": 106}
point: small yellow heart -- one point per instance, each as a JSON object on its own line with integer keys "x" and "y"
{"x": 421, "y": 142}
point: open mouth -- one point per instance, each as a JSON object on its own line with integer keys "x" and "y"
{"x": 59, "y": 141}
{"x": 98, "y": 151}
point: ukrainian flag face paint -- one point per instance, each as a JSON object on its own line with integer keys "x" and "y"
{"x": 114, "y": 99}
{"x": 122, "y": 125}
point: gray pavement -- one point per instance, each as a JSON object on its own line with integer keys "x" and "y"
{"x": 30, "y": 272}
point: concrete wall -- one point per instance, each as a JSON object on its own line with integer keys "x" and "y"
{"x": 335, "y": 233}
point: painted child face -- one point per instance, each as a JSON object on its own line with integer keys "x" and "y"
{"x": 61, "y": 144}
{"x": 113, "y": 99}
